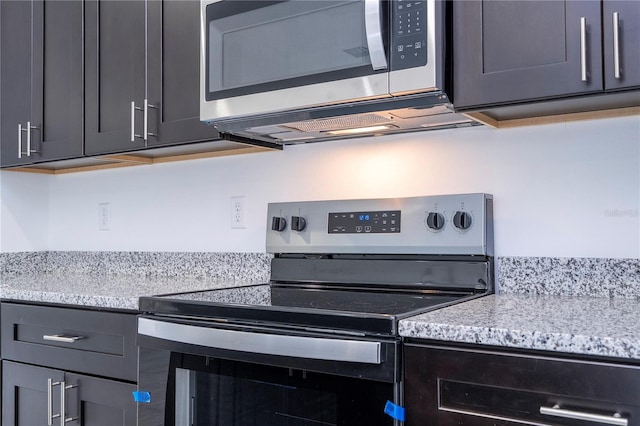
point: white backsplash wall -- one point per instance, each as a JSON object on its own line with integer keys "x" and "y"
{"x": 562, "y": 190}
{"x": 24, "y": 211}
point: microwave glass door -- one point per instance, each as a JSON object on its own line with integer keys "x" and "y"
{"x": 262, "y": 46}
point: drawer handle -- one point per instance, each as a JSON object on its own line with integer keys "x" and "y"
{"x": 615, "y": 419}
{"x": 61, "y": 338}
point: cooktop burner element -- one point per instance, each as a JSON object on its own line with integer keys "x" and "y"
{"x": 356, "y": 266}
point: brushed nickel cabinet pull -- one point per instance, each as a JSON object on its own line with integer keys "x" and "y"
{"x": 583, "y": 49}
{"x": 61, "y": 338}
{"x": 615, "y": 419}
{"x": 616, "y": 45}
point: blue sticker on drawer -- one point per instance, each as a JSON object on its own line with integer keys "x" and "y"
{"x": 141, "y": 396}
{"x": 394, "y": 411}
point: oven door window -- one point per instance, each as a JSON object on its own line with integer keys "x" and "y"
{"x": 226, "y": 393}
{"x": 260, "y": 46}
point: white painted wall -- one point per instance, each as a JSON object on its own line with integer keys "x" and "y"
{"x": 24, "y": 212}
{"x": 560, "y": 190}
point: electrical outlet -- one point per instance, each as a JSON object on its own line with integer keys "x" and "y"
{"x": 237, "y": 212}
{"x": 104, "y": 216}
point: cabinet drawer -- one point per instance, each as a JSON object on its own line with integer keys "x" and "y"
{"x": 94, "y": 342}
{"x": 459, "y": 386}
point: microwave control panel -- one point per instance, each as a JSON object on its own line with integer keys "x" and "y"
{"x": 408, "y": 34}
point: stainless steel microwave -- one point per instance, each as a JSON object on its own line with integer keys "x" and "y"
{"x": 260, "y": 57}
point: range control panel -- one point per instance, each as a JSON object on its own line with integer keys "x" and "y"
{"x": 439, "y": 224}
{"x": 368, "y": 222}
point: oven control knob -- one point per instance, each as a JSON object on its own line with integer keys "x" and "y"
{"x": 278, "y": 223}
{"x": 462, "y": 220}
{"x": 298, "y": 223}
{"x": 435, "y": 221}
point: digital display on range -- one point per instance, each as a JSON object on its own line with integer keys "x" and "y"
{"x": 372, "y": 222}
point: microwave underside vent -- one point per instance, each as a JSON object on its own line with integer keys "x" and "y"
{"x": 338, "y": 123}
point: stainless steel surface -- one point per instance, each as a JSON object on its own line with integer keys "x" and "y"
{"x": 367, "y": 352}
{"x": 147, "y": 105}
{"x": 423, "y": 79}
{"x": 29, "y": 150}
{"x": 133, "y": 120}
{"x": 145, "y": 119}
{"x": 330, "y": 93}
{"x": 61, "y": 338}
{"x": 616, "y": 45}
{"x": 28, "y": 139}
{"x": 50, "y": 415}
{"x": 19, "y": 140}
{"x": 185, "y": 392}
{"x": 415, "y": 237}
{"x": 373, "y": 31}
{"x": 614, "y": 419}
{"x": 63, "y": 396}
{"x": 583, "y": 49}
{"x": 63, "y": 406}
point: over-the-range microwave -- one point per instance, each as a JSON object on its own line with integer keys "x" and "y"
{"x": 261, "y": 58}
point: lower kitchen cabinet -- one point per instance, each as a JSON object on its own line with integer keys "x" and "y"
{"x": 33, "y": 396}
{"x": 462, "y": 386}
{"x": 67, "y": 366}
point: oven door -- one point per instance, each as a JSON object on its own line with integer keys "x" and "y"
{"x": 268, "y": 56}
{"x": 195, "y": 374}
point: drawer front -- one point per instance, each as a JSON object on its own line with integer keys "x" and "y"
{"x": 94, "y": 342}
{"x": 451, "y": 386}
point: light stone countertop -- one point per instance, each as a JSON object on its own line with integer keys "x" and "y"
{"x": 109, "y": 291}
{"x": 571, "y": 324}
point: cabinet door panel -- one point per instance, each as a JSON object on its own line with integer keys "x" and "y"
{"x": 114, "y": 73}
{"x": 173, "y": 54}
{"x": 15, "y": 77}
{"x": 60, "y": 112}
{"x": 100, "y": 402}
{"x": 41, "y": 80}
{"x": 628, "y": 44}
{"x": 24, "y": 394}
{"x": 516, "y": 51}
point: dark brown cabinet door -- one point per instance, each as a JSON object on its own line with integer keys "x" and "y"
{"x": 513, "y": 51}
{"x": 114, "y": 75}
{"x": 41, "y": 81}
{"x": 89, "y": 401}
{"x": 621, "y": 27}
{"x": 15, "y": 78}
{"x": 173, "y": 78}
{"x": 100, "y": 402}
{"x": 25, "y": 394}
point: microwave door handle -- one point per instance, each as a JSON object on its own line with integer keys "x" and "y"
{"x": 373, "y": 30}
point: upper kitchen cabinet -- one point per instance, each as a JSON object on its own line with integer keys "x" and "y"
{"x": 512, "y": 51}
{"x": 173, "y": 78}
{"x": 621, "y": 23}
{"x": 41, "y": 93}
{"x": 114, "y": 76}
{"x": 142, "y": 88}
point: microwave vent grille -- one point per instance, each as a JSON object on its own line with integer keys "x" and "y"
{"x": 338, "y": 123}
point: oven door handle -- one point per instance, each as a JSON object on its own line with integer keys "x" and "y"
{"x": 262, "y": 343}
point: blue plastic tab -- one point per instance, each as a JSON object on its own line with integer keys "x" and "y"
{"x": 141, "y": 396}
{"x": 394, "y": 411}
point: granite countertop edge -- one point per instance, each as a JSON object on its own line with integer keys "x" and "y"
{"x": 118, "y": 292}
{"x": 557, "y": 324}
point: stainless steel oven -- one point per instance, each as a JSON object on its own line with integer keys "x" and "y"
{"x": 318, "y": 344}
{"x": 264, "y": 56}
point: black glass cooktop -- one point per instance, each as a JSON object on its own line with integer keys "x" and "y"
{"x": 361, "y": 311}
